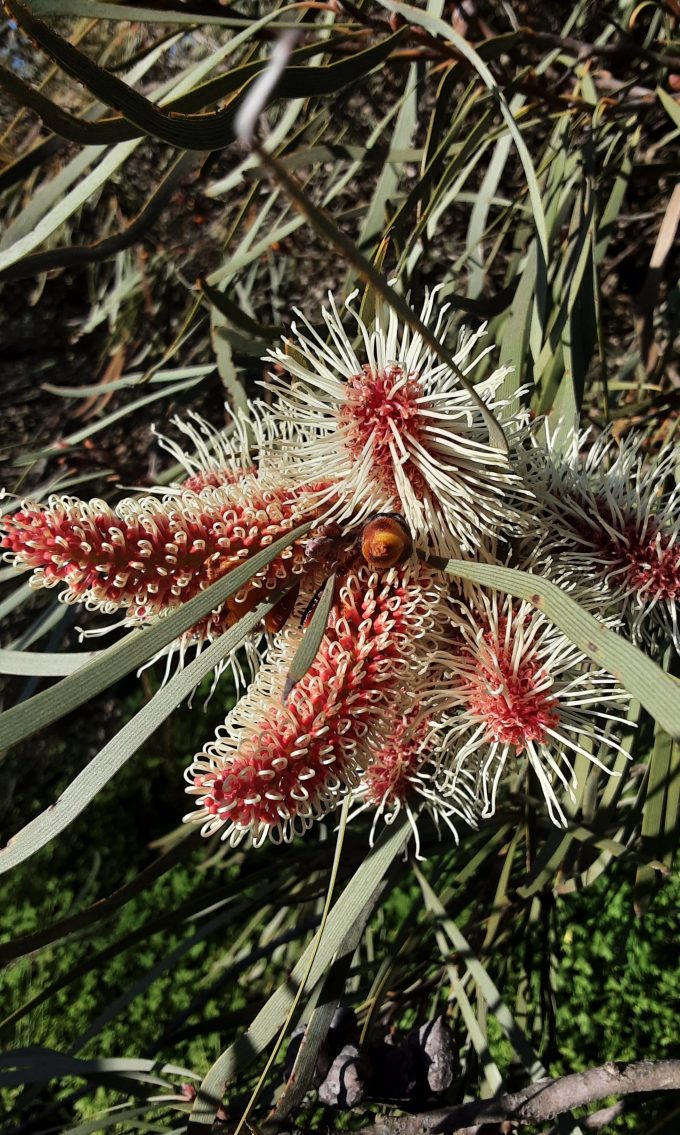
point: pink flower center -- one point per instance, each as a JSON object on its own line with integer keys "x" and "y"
{"x": 389, "y": 775}
{"x": 512, "y": 700}
{"x": 652, "y": 562}
{"x": 378, "y": 408}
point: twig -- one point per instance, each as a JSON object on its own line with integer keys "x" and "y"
{"x": 603, "y": 1116}
{"x": 601, "y": 51}
{"x": 540, "y": 1101}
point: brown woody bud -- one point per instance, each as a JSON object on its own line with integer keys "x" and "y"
{"x": 385, "y": 541}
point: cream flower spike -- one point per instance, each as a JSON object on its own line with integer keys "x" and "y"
{"x": 390, "y": 428}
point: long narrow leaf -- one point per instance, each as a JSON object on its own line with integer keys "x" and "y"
{"x": 311, "y": 639}
{"x": 199, "y": 905}
{"x": 210, "y": 131}
{"x": 304, "y": 984}
{"x": 101, "y": 250}
{"x": 40, "y": 664}
{"x": 486, "y": 985}
{"x": 36, "y": 1065}
{"x": 28, "y": 943}
{"x": 360, "y": 895}
{"x": 438, "y": 27}
{"x": 114, "y": 755}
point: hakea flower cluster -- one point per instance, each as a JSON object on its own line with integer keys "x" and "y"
{"x": 403, "y": 775}
{"x": 615, "y": 522}
{"x": 426, "y": 696}
{"x": 148, "y": 555}
{"x": 518, "y": 689}
{"x": 279, "y": 763}
{"x": 390, "y": 428}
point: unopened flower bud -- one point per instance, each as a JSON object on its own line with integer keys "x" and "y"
{"x": 385, "y": 542}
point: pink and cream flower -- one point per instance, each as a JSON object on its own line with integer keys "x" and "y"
{"x": 421, "y": 697}
{"x": 252, "y": 444}
{"x": 403, "y": 775}
{"x": 149, "y": 555}
{"x": 275, "y": 767}
{"x": 612, "y": 520}
{"x": 390, "y": 428}
{"x": 216, "y": 457}
{"x": 520, "y": 694}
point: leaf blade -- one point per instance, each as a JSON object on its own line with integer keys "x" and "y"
{"x": 41, "y": 830}
{"x": 312, "y": 638}
{"x": 361, "y": 892}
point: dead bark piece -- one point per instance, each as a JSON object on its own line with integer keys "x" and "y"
{"x": 345, "y": 1083}
{"x": 436, "y": 1048}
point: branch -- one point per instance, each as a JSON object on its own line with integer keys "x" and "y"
{"x": 627, "y": 50}
{"x": 540, "y": 1101}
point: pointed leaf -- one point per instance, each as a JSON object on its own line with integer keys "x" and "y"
{"x": 209, "y": 131}
{"x": 40, "y": 664}
{"x": 312, "y": 638}
{"x": 28, "y": 943}
{"x": 358, "y": 898}
{"x": 439, "y": 28}
{"x": 101, "y": 250}
{"x": 670, "y": 105}
{"x": 126, "y": 742}
{"x": 486, "y": 985}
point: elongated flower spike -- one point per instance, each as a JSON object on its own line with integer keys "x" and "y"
{"x": 147, "y": 556}
{"x": 402, "y": 775}
{"x": 391, "y": 430}
{"x": 612, "y": 520}
{"x": 274, "y": 768}
{"x": 518, "y": 689}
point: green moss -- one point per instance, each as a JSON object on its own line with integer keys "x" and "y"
{"x": 618, "y": 975}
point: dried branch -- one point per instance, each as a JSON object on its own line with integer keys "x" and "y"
{"x": 584, "y": 50}
{"x": 540, "y": 1101}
